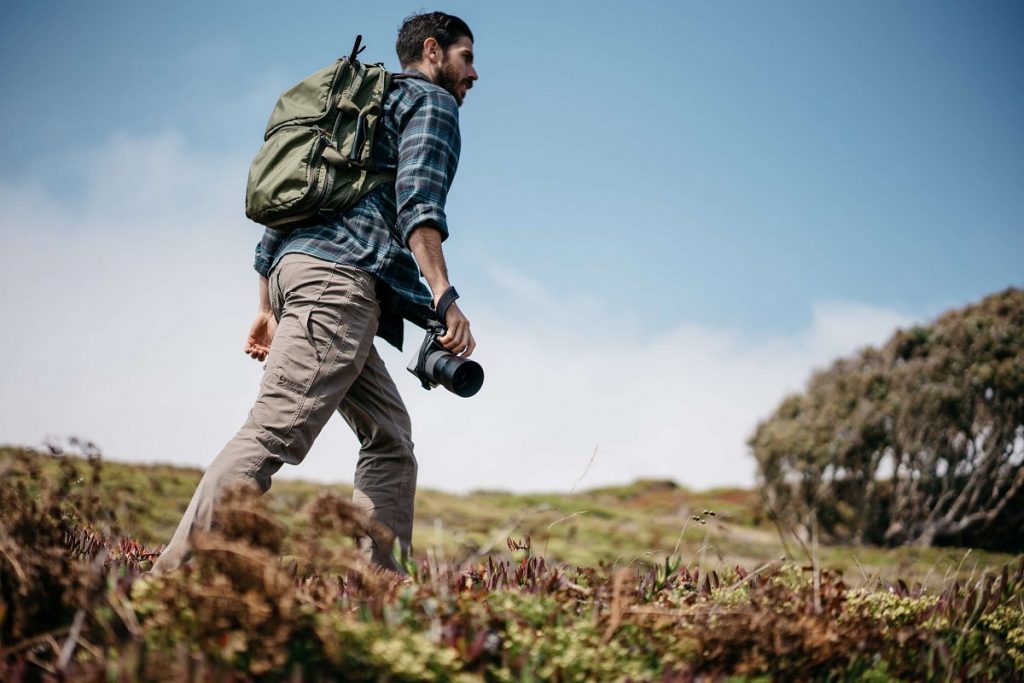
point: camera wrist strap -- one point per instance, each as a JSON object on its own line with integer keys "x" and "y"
{"x": 444, "y": 301}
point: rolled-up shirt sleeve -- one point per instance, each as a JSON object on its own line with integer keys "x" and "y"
{"x": 428, "y": 155}
{"x": 266, "y": 250}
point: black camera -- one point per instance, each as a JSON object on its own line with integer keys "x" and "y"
{"x": 434, "y": 365}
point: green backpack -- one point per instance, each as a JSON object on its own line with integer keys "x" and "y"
{"x": 315, "y": 160}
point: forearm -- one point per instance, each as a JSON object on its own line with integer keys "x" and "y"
{"x": 261, "y": 333}
{"x": 425, "y": 243}
{"x": 264, "y": 295}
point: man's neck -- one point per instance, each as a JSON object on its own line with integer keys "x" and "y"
{"x": 423, "y": 69}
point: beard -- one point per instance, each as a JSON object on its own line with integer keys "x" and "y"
{"x": 450, "y": 81}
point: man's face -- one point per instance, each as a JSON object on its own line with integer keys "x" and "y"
{"x": 456, "y": 74}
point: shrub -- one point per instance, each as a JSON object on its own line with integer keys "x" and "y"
{"x": 920, "y": 442}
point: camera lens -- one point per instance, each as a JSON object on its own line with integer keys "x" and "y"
{"x": 458, "y": 375}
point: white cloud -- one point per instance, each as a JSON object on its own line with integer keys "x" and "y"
{"x": 124, "y": 313}
{"x": 679, "y": 404}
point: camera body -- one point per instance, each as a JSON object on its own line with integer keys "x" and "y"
{"x": 434, "y": 365}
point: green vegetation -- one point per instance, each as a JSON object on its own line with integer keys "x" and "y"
{"x": 920, "y": 442}
{"x": 637, "y": 525}
{"x": 282, "y": 594}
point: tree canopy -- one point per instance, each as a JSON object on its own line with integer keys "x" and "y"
{"x": 919, "y": 442}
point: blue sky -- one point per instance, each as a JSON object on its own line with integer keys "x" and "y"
{"x": 779, "y": 181}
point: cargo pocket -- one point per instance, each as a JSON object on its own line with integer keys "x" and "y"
{"x": 287, "y": 384}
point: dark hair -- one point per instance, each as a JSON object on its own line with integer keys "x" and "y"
{"x": 444, "y": 28}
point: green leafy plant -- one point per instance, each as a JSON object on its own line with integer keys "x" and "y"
{"x": 265, "y": 602}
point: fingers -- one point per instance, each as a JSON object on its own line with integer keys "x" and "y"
{"x": 256, "y": 351}
{"x": 458, "y": 339}
{"x": 261, "y": 334}
{"x": 447, "y": 340}
{"x": 464, "y": 344}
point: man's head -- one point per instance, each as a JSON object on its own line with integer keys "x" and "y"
{"x": 441, "y": 47}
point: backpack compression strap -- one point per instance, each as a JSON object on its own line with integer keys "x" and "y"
{"x": 356, "y": 49}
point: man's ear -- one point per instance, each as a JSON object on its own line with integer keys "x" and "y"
{"x": 432, "y": 51}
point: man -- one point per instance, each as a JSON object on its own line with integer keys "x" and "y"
{"x": 322, "y": 299}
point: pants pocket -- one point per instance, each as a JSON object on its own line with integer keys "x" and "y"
{"x": 320, "y": 327}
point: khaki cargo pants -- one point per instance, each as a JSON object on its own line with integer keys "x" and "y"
{"x": 322, "y": 360}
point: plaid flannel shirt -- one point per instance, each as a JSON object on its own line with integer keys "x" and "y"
{"x": 419, "y": 139}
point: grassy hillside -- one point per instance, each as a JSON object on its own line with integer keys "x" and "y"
{"x": 285, "y": 597}
{"x": 636, "y": 524}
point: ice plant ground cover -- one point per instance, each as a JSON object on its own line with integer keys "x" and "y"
{"x": 283, "y": 596}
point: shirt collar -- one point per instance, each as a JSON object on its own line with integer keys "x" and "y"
{"x": 413, "y": 71}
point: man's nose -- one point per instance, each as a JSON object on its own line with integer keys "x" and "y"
{"x": 473, "y": 75}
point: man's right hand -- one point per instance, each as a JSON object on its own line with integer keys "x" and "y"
{"x": 457, "y": 337}
{"x": 257, "y": 345}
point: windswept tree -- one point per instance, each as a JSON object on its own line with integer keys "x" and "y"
{"x": 920, "y": 442}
